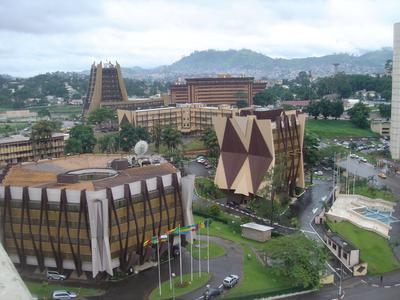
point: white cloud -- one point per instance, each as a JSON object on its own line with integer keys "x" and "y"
{"x": 48, "y": 35}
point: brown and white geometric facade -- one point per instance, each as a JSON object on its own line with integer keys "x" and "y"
{"x": 50, "y": 219}
{"x": 249, "y": 145}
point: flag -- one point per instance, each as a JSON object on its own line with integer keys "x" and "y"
{"x": 163, "y": 238}
{"x": 202, "y": 225}
{"x": 146, "y": 243}
{"x": 206, "y": 223}
{"x": 154, "y": 240}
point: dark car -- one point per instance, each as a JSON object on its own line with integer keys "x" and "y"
{"x": 232, "y": 204}
{"x": 211, "y": 293}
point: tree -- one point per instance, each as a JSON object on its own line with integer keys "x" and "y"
{"x": 314, "y": 109}
{"x": 41, "y": 134}
{"x": 108, "y": 143}
{"x": 337, "y": 109}
{"x": 385, "y": 110}
{"x": 325, "y": 108}
{"x": 298, "y": 258}
{"x": 210, "y": 140}
{"x": 129, "y": 135}
{"x": 44, "y": 112}
{"x": 81, "y": 135}
{"x": 101, "y": 115}
{"x": 171, "y": 137}
{"x": 156, "y": 136}
{"x": 241, "y": 103}
{"x": 264, "y": 98}
{"x": 311, "y": 154}
{"x": 359, "y": 115}
{"x": 73, "y": 146}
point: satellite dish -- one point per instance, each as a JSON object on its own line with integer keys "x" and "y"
{"x": 141, "y": 148}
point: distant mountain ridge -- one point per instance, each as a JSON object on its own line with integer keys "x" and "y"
{"x": 248, "y": 62}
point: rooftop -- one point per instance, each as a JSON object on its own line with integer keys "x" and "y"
{"x": 44, "y": 173}
{"x": 341, "y": 242}
{"x": 256, "y": 226}
{"x": 22, "y": 138}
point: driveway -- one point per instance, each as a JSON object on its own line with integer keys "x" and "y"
{"x": 140, "y": 286}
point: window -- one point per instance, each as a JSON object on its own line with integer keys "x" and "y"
{"x": 334, "y": 246}
{"x": 344, "y": 255}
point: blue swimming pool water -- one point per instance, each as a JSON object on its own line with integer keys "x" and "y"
{"x": 382, "y": 216}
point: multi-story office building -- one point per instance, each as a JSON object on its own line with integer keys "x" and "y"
{"x": 252, "y": 143}
{"x": 19, "y": 148}
{"x": 216, "y": 90}
{"x": 395, "y": 116}
{"x": 90, "y": 213}
{"x": 107, "y": 88}
{"x": 188, "y": 118}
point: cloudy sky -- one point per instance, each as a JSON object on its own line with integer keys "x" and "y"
{"x": 38, "y": 36}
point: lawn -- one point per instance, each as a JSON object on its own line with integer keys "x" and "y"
{"x": 12, "y": 128}
{"x": 374, "y": 193}
{"x": 257, "y": 279}
{"x": 374, "y": 249}
{"x": 194, "y": 144}
{"x": 188, "y": 287}
{"x": 215, "y": 250}
{"x": 60, "y": 109}
{"x": 336, "y": 129}
{"x": 45, "y": 289}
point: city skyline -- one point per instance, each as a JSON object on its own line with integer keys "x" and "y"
{"x": 53, "y": 35}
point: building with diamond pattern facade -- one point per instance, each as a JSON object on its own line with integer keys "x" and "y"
{"x": 250, "y": 144}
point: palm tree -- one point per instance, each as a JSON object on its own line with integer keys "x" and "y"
{"x": 41, "y": 134}
{"x": 156, "y": 135}
{"x": 171, "y": 137}
{"x": 209, "y": 138}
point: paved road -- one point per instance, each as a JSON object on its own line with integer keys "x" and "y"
{"x": 368, "y": 170}
{"x": 139, "y": 286}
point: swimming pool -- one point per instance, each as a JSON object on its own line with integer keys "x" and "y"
{"x": 382, "y": 216}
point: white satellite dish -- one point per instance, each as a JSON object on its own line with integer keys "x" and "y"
{"x": 141, "y": 148}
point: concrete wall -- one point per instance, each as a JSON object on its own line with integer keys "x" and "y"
{"x": 256, "y": 235}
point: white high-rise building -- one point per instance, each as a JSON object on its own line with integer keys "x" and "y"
{"x": 395, "y": 117}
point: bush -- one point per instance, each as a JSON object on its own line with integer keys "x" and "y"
{"x": 214, "y": 210}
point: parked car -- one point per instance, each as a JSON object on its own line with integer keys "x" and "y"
{"x": 54, "y": 275}
{"x": 230, "y": 281}
{"x": 63, "y": 294}
{"x": 247, "y": 210}
{"x": 319, "y": 173}
{"x": 382, "y": 175}
{"x": 211, "y": 293}
{"x": 232, "y": 204}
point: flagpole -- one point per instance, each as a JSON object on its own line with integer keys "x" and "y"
{"x": 158, "y": 260}
{"x": 180, "y": 254}
{"x": 191, "y": 256}
{"x": 208, "y": 246}
{"x": 199, "y": 253}
{"x": 169, "y": 265}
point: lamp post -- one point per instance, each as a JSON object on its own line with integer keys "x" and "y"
{"x": 173, "y": 286}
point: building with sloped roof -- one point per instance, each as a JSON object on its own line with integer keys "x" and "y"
{"x": 90, "y": 213}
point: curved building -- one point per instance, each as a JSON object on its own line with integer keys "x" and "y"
{"x": 90, "y": 212}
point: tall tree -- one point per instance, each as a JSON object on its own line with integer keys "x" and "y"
{"x": 298, "y": 258}
{"x": 156, "y": 136}
{"x": 314, "y": 109}
{"x": 101, "y": 115}
{"x": 311, "y": 154}
{"x": 325, "y": 108}
{"x": 210, "y": 140}
{"x": 171, "y": 137}
{"x": 264, "y": 98}
{"x": 337, "y": 109}
{"x": 385, "y": 110}
{"x": 359, "y": 115}
{"x": 41, "y": 135}
{"x": 130, "y": 135}
{"x": 108, "y": 143}
{"x": 83, "y": 135}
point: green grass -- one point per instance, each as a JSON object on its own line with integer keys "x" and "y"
{"x": 336, "y": 129}
{"x": 188, "y": 287}
{"x": 45, "y": 290}
{"x": 12, "y": 128}
{"x": 374, "y": 193}
{"x": 374, "y": 248}
{"x": 257, "y": 279}
{"x": 67, "y": 109}
{"x": 215, "y": 250}
{"x": 195, "y": 144}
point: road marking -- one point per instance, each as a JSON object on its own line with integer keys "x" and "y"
{"x": 314, "y": 210}
{"x": 397, "y": 284}
{"x": 323, "y": 198}
{"x": 374, "y": 285}
{"x": 387, "y": 286}
{"x": 220, "y": 286}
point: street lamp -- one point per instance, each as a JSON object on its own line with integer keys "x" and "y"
{"x": 340, "y": 278}
{"x": 173, "y": 286}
